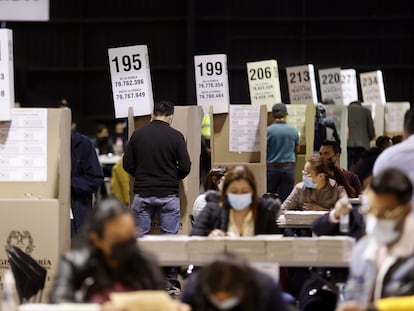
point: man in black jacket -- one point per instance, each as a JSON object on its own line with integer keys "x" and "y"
{"x": 157, "y": 157}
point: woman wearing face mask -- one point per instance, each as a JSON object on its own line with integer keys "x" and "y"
{"x": 317, "y": 191}
{"x": 106, "y": 259}
{"x": 238, "y": 211}
{"x": 214, "y": 181}
{"x": 229, "y": 283}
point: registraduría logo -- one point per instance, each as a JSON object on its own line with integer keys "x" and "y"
{"x": 21, "y": 239}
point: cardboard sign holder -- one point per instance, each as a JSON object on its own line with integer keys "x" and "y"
{"x": 220, "y": 154}
{"x": 36, "y": 215}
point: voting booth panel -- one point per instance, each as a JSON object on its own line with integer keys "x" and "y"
{"x": 36, "y": 214}
{"x": 220, "y": 147}
{"x": 187, "y": 120}
{"x": 394, "y": 118}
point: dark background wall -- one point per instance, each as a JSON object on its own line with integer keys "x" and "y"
{"x": 67, "y": 56}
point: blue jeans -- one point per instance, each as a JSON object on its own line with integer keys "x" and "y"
{"x": 167, "y": 209}
{"x": 280, "y": 180}
{"x": 168, "y": 213}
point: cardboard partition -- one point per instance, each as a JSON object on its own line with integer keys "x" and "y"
{"x": 394, "y": 118}
{"x": 220, "y": 147}
{"x": 339, "y": 114}
{"x": 187, "y": 120}
{"x": 36, "y": 214}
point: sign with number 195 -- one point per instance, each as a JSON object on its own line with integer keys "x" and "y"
{"x": 131, "y": 80}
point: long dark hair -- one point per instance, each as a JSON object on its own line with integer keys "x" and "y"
{"x": 229, "y": 273}
{"x": 241, "y": 172}
{"x": 321, "y": 165}
{"x": 138, "y": 272}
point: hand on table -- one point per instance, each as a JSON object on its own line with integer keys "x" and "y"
{"x": 313, "y": 207}
{"x": 216, "y": 233}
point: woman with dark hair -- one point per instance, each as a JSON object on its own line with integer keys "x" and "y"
{"x": 229, "y": 283}
{"x": 317, "y": 191}
{"x": 238, "y": 210}
{"x": 106, "y": 259}
{"x": 214, "y": 181}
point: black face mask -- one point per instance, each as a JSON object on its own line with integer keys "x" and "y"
{"x": 331, "y": 163}
{"x": 123, "y": 251}
{"x": 104, "y": 139}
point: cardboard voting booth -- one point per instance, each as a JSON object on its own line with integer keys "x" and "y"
{"x": 35, "y": 186}
{"x": 221, "y": 144}
{"x": 187, "y": 120}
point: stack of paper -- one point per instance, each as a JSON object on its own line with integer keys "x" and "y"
{"x": 305, "y": 250}
{"x": 278, "y": 248}
{"x": 202, "y": 249}
{"x": 166, "y": 247}
{"x": 302, "y": 217}
{"x": 251, "y": 248}
{"x": 335, "y": 248}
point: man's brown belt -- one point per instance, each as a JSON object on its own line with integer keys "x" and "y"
{"x": 281, "y": 164}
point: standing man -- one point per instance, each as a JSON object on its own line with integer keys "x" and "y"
{"x": 86, "y": 178}
{"x": 331, "y": 151}
{"x": 157, "y": 157}
{"x": 361, "y": 132}
{"x": 282, "y": 143}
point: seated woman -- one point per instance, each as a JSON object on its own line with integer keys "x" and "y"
{"x": 229, "y": 283}
{"x": 106, "y": 260}
{"x": 317, "y": 191}
{"x": 238, "y": 211}
{"x": 214, "y": 181}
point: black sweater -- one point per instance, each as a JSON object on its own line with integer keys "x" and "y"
{"x": 213, "y": 216}
{"x": 157, "y": 157}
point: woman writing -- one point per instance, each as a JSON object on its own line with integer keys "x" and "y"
{"x": 238, "y": 211}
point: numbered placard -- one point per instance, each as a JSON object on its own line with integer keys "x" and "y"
{"x": 264, "y": 83}
{"x": 131, "y": 80}
{"x": 212, "y": 84}
{"x": 6, "y": 74}
{"x": 330, "y": 84}
{"x": 244, "y": 128}
{"x": 349, "y": 86}
{"x": 301, "y": 84}
{"x": 372, "y": 87}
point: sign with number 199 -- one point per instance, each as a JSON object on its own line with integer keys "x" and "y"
{"x": 212, "y": 84}
{"x": 131, "y": 80}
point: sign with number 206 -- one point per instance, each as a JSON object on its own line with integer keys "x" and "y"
{"x": 131, "y": 80}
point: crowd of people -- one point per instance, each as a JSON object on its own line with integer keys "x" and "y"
{"x": 106, "y": 257}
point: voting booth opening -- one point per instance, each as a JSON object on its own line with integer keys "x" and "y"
{"x": 187, "y": 120}
{"x": 35, "y": 186}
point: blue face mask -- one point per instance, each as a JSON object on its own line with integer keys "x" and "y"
{"x": 308, "y": 182}
{"x": 239, "y": 201}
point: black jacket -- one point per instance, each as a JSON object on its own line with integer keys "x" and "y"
{"x": 213, "y": 216}
{"x": 83, "y": 273}
{"x": 157, "y": 157}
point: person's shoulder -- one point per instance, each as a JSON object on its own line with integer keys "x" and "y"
{"x": 212, "y": 196}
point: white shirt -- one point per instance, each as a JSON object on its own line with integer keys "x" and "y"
{"x": 400, "y": 156}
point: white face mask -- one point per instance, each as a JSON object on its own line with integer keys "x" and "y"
{"x": 382, "y": 230}
{"x": 227, "y": 304}
{"x": 239, "y": 201}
